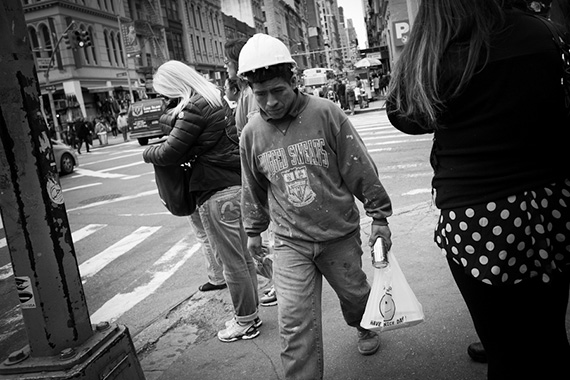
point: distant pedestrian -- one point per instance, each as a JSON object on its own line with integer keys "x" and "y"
{"x": 341, "y": 92}
{"x": 351, "y": 98}
{"x": 122, "y": 125}
{"x": 82, "y": 132}
{"x": 101, "y": 131}
{"x": 376, "y": 84}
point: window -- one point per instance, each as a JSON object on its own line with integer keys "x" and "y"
{"x": 34, "y": 41}
{"x": 200, "y": 17}
{"x": 205, "y": 47}
{"x": 46, "y": 42}
{"x": 199, "y": 49}
{"x": 194, "y": 16}
{"x": 114, "y": 48}
{"x": 120, "y": 46}
{"x": 175, "y": 46}
{"x": 107, "y": 47}
{"x": 92, "y": 47}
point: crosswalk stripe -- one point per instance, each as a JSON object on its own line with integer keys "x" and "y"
{"x": 161, "y": 271}
{"x": 6, "y": 270}
{"x": 92, "y": 266}
{"x": 120, "y": 199}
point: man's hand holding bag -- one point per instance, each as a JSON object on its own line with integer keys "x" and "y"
{"x": 392, "y": 303}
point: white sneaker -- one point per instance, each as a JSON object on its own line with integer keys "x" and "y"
{"x": 236, "y": 331}
{"x": 270, "y": 298}
{"x": 257, "y": 322}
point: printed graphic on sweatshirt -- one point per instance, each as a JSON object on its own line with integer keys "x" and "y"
{"x": 299, "y": 191}
{"x": 292, "y": 164}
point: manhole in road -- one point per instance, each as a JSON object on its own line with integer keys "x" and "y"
{"x": 102, "y": 198}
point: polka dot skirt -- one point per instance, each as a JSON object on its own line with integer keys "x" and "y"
{"x": 513, "y": 239}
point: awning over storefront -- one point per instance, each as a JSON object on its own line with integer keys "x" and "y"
{"x": 99, "y": 89}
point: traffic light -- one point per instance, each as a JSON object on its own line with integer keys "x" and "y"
{"x": 83, "y": 38}
{"x": 87, "y": 38}
{"x": 76, "y": 35}
{"x": 68, "y": 39}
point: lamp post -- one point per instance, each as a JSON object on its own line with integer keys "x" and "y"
{"x": 125, "y": 55}
{"x": 49, "y": 90}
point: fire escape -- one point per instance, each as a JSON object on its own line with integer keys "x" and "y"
{"x": 150, "y": 30}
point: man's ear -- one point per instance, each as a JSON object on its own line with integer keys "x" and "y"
{"x": 293, "y": 81}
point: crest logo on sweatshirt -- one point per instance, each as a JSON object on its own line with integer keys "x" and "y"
{"x": 299, "y": 191}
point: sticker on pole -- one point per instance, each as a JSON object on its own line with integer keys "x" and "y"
{"x": 25, "y": 292}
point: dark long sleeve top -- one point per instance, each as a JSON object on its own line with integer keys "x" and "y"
{"x": 507, "y": 131}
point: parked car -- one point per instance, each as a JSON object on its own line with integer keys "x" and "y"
{"x": 143, "y": 119}
{"x": 66, "y": 158}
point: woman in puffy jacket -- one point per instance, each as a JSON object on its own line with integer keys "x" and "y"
{"x": 202, "y": 132}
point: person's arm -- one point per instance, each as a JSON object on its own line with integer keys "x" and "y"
{"x": 403, "y": 123}
{"x": 360, "y": 174}
{"x": 254, "y": 191}
{"x": 187, "y": 127}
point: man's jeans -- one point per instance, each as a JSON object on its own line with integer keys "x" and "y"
{"x": 221, "y": 218}
{"x": 297, "y": 272}
{"x": 214, "y": 268}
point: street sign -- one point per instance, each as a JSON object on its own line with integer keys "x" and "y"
{"x": 49, "y": 88}
{"x": 42, "y": 63}
{"x": 122, "y": 74}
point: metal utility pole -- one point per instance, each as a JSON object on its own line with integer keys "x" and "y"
{"x": 62, "y": 342}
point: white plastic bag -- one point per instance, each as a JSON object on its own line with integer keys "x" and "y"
{"x": 392, "y": 303}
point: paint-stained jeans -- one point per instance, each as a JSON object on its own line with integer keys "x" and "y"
{"x": 298, "y": 270}
{"x": 221, "y": 217}
{"x": 214, "y": 268}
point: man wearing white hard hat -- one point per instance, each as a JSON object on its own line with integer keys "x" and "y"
{"x": 302, "y": 165}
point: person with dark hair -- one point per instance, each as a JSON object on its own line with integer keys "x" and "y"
{"x": 83, "y": 133}
{"x": 246, "y": 104}
{"x": 246, "y": 108}
{"x": 231, "y": 92}
{"x": 303, "y": 163}
{"x": 501, "y": 174}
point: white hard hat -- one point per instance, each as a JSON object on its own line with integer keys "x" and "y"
{"x": 262, "y": 50}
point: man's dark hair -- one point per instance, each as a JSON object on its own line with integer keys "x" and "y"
{"x": 283, "y": 71}
{"x": 233, "y": 47}
{"x": 233, "y": 84}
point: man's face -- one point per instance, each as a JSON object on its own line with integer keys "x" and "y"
{"x": 231, "y": 67}
{"x": 275, "y": 96}
{"x": 231, "y": 95}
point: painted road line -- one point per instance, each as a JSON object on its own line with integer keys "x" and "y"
{"x": 6, "y": 270}
{"x": 111, "y": 159}
{"x": 141, "y": 162}
{"x": 161, "y": 271}
{"x": 417, "y": 191}
{"x": 92, "y": 266}
{"x": 94, "y": 173}
{"x": 83, "y": 187}
{"x": 120, "y": 199}
{"x": 397, "y": 142}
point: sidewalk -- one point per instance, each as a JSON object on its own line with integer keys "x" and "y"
{"x": 374, "y": 105}
{"x": 183, "y": 345}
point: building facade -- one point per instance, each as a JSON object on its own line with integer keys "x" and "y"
{"x": 130, "y": 39}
